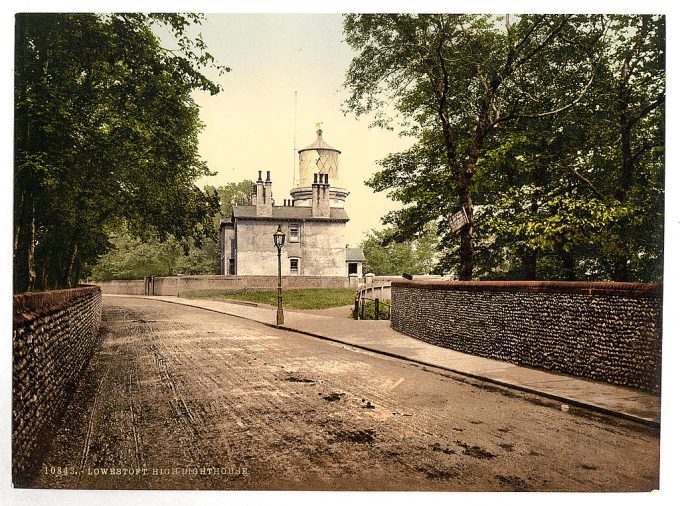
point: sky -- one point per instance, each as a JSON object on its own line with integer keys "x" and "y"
{"x": 253, "y": 124}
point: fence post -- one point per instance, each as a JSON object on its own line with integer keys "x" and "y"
{"x": 356, "y": 309}
{"x": 377, "y": 309}
{"x": 362, "y": 308}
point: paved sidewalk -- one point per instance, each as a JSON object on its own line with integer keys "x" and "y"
{"x": 379, "y": 337}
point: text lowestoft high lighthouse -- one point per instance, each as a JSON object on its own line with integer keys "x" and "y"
{"x": 313, "y": 220}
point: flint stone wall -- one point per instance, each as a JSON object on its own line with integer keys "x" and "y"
{"x": 603, "y": 331}
{"x": 54, "y": 336}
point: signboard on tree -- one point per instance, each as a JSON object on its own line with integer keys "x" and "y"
{"x": 458, "y": 220}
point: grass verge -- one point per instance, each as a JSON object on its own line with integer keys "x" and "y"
{"x": 369, "y": 311}
{"x": 299, "y": 298}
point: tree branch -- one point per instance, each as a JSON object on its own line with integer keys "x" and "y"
{"x": 645, "y": 146}
{"x": 646, "y": 110}
{"x": 563, "y": 108}
{"x": 585, "y": 181}
{"x": 549, "y": 38}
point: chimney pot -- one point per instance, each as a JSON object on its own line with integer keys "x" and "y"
{"x": 259, "y": 175}
{"x": 268, "y": 177}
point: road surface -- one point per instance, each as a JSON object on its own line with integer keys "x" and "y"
{"x": 182, "y": 398}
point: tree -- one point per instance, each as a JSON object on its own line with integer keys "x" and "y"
{"x": 520, "y": 115}
{"x": 385, "y": 256}
{"x": 105, "y": 135}
{"x": 577, "y": 187}
{"x": 637, "y": 94}
{"x": 229, "y": 195}
{"x": 131, "y": 258}
{"x": 459, "y": 77}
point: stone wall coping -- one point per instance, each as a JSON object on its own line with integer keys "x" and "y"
{"x": 40, "y": 302}
{"x": 220, "y": 277}
{"x": 646, "y": 290}
{"x": 136, "y": 280}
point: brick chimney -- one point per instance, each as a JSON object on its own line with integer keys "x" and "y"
{"x": 268, "y": 191}
{"x": 263, "y": 204}
{"x": 321, "y": 199}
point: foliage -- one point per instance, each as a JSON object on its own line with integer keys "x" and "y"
{"x": 105, "y": 137}
{"x": 131, "y": 258}
{"x": 302, "y": 298}
{"x": 385, "y": 256}
{"x": 369, "y": 310}
{"x": 552, "y": 125}
{"x": 230, "y": 195}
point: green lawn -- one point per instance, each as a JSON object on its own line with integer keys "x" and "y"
{"x": 302, "y": 298}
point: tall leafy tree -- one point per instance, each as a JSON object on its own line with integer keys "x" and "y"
{"x": 534, "y": 118}
{"x": 583, "y": 189}
{"x": 387, "y": 257}
{"x": 231, "y": 194}
{"x": 636, "y": 93}
{"x": 131, "y": 258}
{"x": 105, "y": 134}
{"x": 458, "y": 77}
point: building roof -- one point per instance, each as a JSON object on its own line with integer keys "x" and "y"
{"x": 355, "y": 255}
{"x": 319, "y": 144}
{"x": 289, "y": 213}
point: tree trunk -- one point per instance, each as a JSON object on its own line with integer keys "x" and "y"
{"x": 466, "y": 245}
{"x": 621, "y": 272}
{"x": 24, "y": 254}
{"x": 569, "y": 266}
{"x": 463, "y": 180}
{"x": 462, "y": 177}
{"x": 72, "y": 267}
{"x": 30, "y": 264}
{"x": 529, "y": 265}
{"x": 464, "y": 186}
{"x": 43, "y": 274}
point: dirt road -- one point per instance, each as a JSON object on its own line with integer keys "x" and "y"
{"x": 182, "y": 398}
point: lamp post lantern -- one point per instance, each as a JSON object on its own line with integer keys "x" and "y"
{"x": 279, "y": 239}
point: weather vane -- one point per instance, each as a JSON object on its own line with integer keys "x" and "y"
{"x": 318, "y": 124}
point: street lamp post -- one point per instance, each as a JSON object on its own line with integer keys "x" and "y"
{"x": 279, "y": 239}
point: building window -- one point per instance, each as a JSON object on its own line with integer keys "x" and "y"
{"x": 294, "y": 233}
{"x": 353, "y": 268}
{"x": 294, "y": 266}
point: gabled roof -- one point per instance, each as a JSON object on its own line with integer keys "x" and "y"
{"x": 289, "y": 213}
{"x": 354, "y": 255}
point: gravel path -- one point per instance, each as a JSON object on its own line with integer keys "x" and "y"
{"x": 181, "y": 398}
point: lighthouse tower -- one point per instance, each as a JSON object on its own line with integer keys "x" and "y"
{"x": 318, "y": 158}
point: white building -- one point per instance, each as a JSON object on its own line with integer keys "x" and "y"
{"x": 313, "y": 221}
